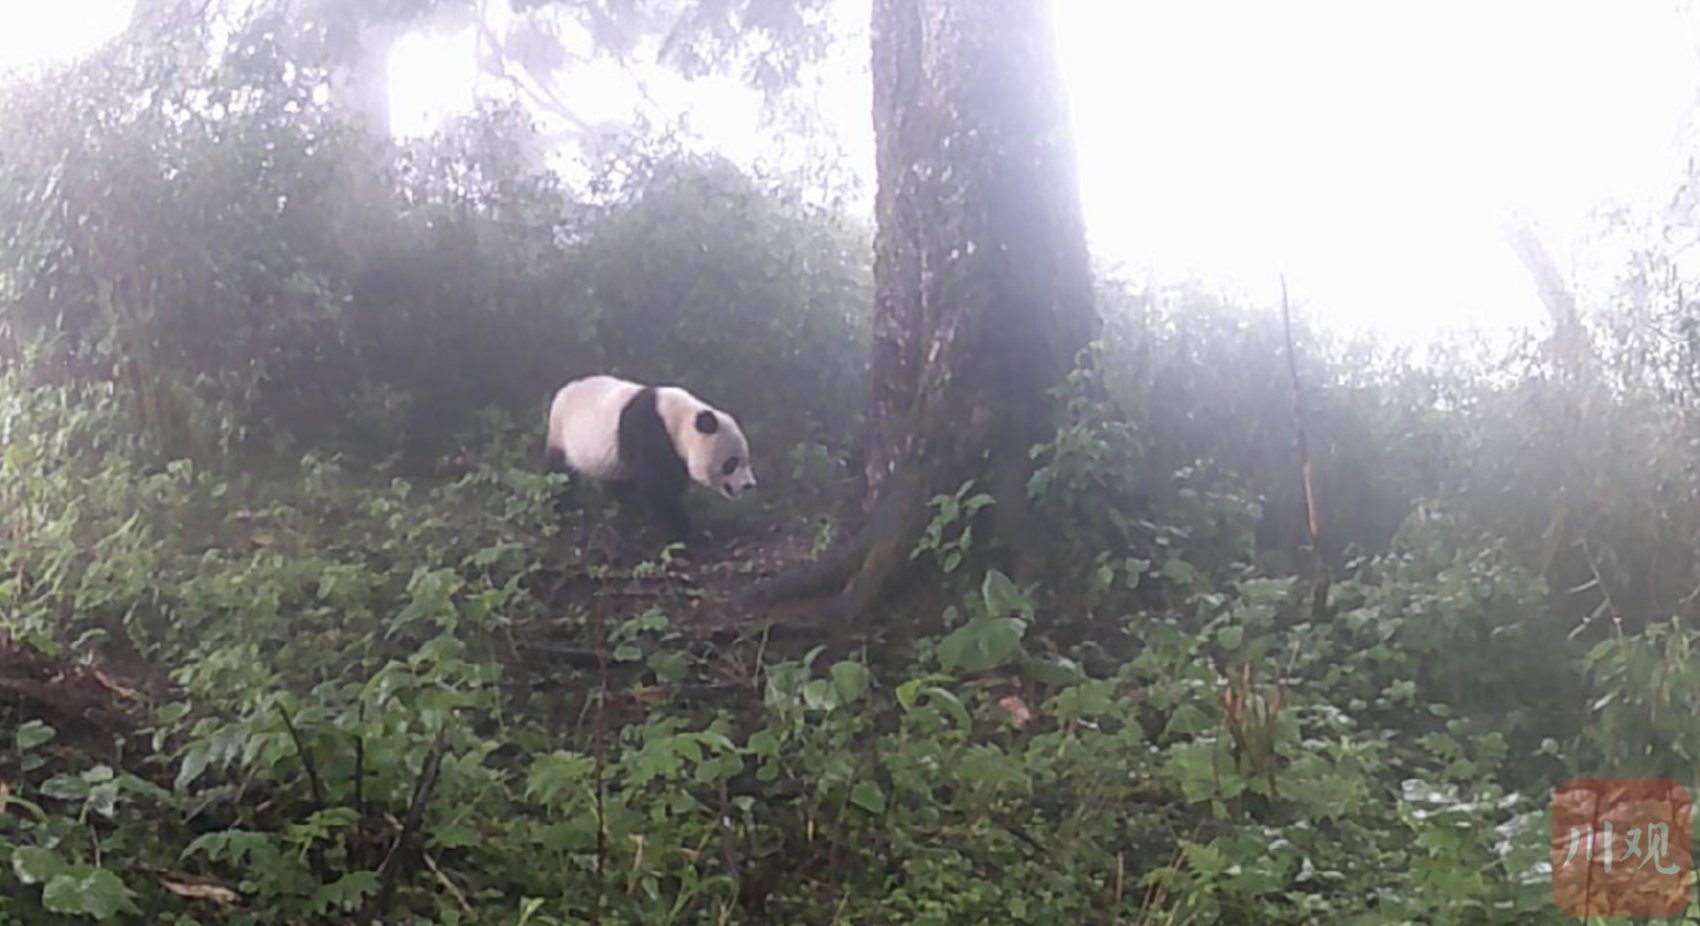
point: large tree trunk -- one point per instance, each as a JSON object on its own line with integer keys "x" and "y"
{"x": 983, "y": 282}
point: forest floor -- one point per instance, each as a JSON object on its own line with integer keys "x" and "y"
{"x": 91, "y": 696}
{"x": 726, "y": 643}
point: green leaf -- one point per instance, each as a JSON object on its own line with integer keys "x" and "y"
{"x": 345, "y": 892}
{"x": 33, "y": 734}
{"x": 952, "y": 704}
{"x": 909, "y": 692}
{"x": 1230, "y": 637}
{"x": 557, "y": 777}
{"x": 333, "y": 817}
{"x": 93, "y": 892}
{"x": 868, "y": 796}
{"x": 1178, "y": 571}
{"x": 981, "y": 644}
{"x": 455, "y": 836}
{"x": 65, "y": 788}
{"x": 34, "y": 865}
{"x": 98, "y": 774}
{"x": 574, "y": 835}
{"x": 488, "y": 556}
{"x": 819, "y": 695}
{"x": 1057, "y": 671}
{"x": 669, "y": 666}
{"x": 194, "y": 763}
{"x": 103, "y": 799}
{"x": 1000, "y": 594}
{"x": 850, "y": 679}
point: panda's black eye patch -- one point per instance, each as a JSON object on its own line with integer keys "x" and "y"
{"x": 729, "y": 467}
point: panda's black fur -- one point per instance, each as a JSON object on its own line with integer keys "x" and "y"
{"x": 643, "y": 442}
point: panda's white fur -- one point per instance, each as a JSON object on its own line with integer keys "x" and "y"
{"x": 648, "y": 442}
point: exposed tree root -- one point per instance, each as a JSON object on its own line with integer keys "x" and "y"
{"x": 80, "y": 702}
{"x": 863, "y": 570}
{"x": 876, "y": 563}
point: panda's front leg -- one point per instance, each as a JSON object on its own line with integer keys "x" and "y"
{"x": 565, "y": 498}
{"x": 669, "y": 508}
{"x": 564, "y": 501}
{"x": 629, "y": 501}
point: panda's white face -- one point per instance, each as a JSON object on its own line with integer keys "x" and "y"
{"x": 725, "y": 459}
{"x": 710, "y": 442}
{"x": 733, "y": 476}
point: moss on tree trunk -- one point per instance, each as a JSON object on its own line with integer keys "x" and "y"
{"x": 982, "y": 278}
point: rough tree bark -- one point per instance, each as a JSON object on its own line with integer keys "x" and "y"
{"x": 982, "y": 279}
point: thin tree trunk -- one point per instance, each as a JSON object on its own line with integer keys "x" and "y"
{"x": 982, "y": 279}
{"x": 1570, "y": 342}
{"x": 360, "y": 84}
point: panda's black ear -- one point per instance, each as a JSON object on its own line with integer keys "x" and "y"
{"x": 707, "y": 423}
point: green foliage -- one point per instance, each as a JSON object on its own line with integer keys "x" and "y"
{"x": 992, "y": 635}
{"x": 1642, "y": 685}
{"x": 697, "y": 268}
{"x": 958, "y": 507}
{"x": 1082, "y": 465}
{"x": 351, "y": 654}
{"x": 325, "y": 294}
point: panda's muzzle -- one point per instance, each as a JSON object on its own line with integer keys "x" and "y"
{"x": 734, "y": 490}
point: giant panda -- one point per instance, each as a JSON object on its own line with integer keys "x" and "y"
{"x": 647, "y": 443}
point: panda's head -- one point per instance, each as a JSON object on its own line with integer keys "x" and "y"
{"x": 710, "y": 442}
{"x": 723, "y": 459}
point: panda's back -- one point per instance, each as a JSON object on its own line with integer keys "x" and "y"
{"x": 584, "y": 423}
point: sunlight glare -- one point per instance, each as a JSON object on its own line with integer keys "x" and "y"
{"x": 38, "y": 34}
{"x": 1372, "y": 153}
{"x": 432, "y": 77}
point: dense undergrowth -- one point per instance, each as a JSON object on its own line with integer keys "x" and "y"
{"x": 270, "y": 465}
{"x": 371, "y": 704}
{"x": 354, "y": 692}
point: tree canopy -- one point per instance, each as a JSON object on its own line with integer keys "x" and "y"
{"x": 530, "y": 45}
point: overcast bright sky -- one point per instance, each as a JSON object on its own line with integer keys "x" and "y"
{"x": 1371, "y": 151}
